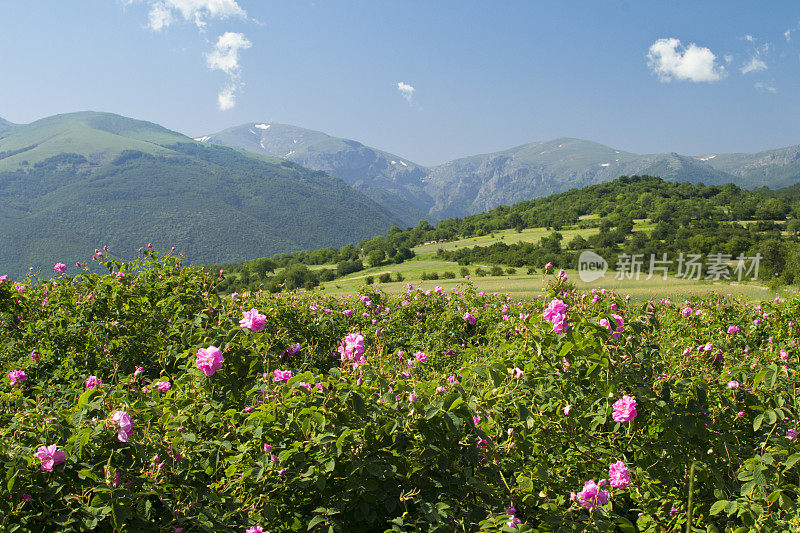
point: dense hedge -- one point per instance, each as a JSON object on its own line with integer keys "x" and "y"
{"x": 464, "y": 412}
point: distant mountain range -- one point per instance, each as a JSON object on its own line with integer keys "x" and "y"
{"x": 478, "y": 183}
{"x": 70, "y": 183}
{"x": 393, "y": 181}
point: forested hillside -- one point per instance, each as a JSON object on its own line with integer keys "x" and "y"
{"x": 672, "y": 218}
{"x": 73, "y": 183}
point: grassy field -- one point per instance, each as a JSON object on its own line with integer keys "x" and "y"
{"x": 523, "y": 285}
{"x": 507, "y": 236}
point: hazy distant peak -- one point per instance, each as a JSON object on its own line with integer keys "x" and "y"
{"x": 6, "y": 126}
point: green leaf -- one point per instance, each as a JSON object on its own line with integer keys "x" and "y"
{"x": 625, "y": 525}
{"x": 83, "y": 400}
{"x": 565, "y": 349}
{"x": 358, "y": 403}
{"x": 718, "y": 506}
{"x": 770, "y": 376}
{"x": 790, "y": 462}
{"x": 314, "y": 521}
{"x": 456, "y": 403}
{"x": 757, "y": 421}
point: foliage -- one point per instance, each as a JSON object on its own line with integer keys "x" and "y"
{"x": 465, "y": 404}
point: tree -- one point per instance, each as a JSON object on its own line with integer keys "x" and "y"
{"x": 261, "y": 266}
{"x": 375, "y": 257}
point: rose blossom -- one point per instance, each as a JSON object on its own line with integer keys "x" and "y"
{"x": 592, "y": 496}
{"x": 124, "y": 425}
{"x": 209, "y": 360}
{"x": 556, "y": 315}
{"x": 253, "y": 320}
{"x": 618, "y": 475}
{"x": 17, "y": 375}
{"x": 282, "y": 375}
{"x": 624, "y": 409}
{"x": 49, "y": 456}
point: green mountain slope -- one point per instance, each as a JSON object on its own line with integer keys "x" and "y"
{"x": 6, "y": 126}
{"x": 392, "y": 181}
{"x": 74, "y": 182}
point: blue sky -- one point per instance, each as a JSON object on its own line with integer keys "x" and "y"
{"x": 690, "y": 77}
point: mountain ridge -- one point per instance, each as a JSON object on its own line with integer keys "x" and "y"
{"x": 70, "y": 183}
{"x": 392, "y": 181}
{"x": 480, "y": 182}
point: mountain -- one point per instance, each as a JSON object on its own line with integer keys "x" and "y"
{"x": 479, "y": 183}
{"x": 771, "y": 168}
{"x": 6, "y": 126}
{"x": 392, "y": 181}
{"x": 70, "y": 183}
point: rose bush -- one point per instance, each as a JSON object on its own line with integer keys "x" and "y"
{"x": 376, "y": 413}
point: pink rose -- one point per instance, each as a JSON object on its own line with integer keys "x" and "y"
{"x": 124, "y": 425}
{"x": 17, "y": 375}
{"x": 592, "y": 496}
{"x": 624, "y": 409}
{"x": 49, "y": 456}
{"x": 209, "y": 360}
{"x": 92, "y": 382}
{"x": 253, "y": 320}
{"x": 618, "y": 475}
{"x": 282, "y": 375}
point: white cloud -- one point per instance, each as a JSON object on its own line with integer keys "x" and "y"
{"x": 159, "y": 17}
{"x": 754, "y": 65}
{"x": 788, "y": 33}
{"x": 406, "y": 90}
{"x": 225, "y": 57}
{"x": 765, "y": 87}
{"x": 164, "y": 12}
{"x": 728, "y": 58}
{"x": 226, "y": 98}
{"x": 670, "y": 61}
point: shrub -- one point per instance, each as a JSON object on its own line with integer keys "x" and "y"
{"x": 386, "y": 277}
{"x": 309, "y": 420}
{"x": 449, "y": 275}
{"x": 496, "y": 270}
